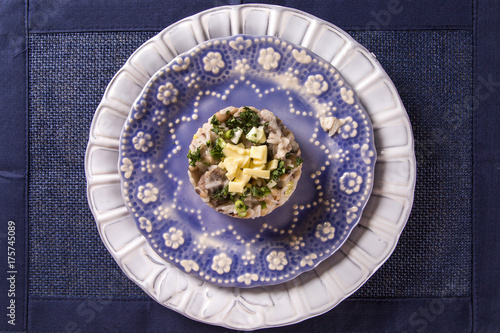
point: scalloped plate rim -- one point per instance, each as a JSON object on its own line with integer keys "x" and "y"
{"x": 104, "y": 143}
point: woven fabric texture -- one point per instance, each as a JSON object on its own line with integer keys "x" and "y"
{"x": 68, "y": 73}
{"x": 432, "y": 71}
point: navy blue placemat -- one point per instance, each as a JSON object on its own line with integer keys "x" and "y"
{"x": 486, "y": 172}
{"x": 68, "y": 73}
{"x": 433, "y": 73}
{"x": 13, "y": 159}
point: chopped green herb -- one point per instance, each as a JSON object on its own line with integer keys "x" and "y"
{"x": 214, "y": 121}
{"x": 194, "y": 157}
{"x": 220, "y": 142}
{"x": 279, "y": 171}
{"x": 298, "y": 161}
{"x": 216, "y": 130}
{"x": 246, "y": 193}
{"x": 260, "y": 191}
{"x": 233, "y": 122}
{"x": 229, "y": 134}
{"x": 222, "y": 194}
{"x": 208, "y": 143}
{"x": 263, "y": 205}
{"x": 216, "y": 151}
{"x": 215, "y": 125}
{"x": 250, "y": 117}
{"x": 241, "y": 208}
{"x": 245, "y": 121}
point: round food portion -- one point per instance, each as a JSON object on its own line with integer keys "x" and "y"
{"x": 244, "y": 162}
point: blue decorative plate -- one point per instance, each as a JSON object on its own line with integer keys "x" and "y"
{"x": 311, "y": 97}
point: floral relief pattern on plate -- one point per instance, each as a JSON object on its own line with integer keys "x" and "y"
{"x": 301, "y": 89}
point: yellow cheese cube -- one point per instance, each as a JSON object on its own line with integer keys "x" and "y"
{"x": 244, "y": 161}
{"x": 256, "y": 165}
{"x": 228, "y": 152}
{"x": 223, "y": 160}
{"x": 242, "y": 177}
{"x": 259, "y": 153}
{"x": 240, "y": 149}
{"x": 264, "y": 139}
{"x": 239, "y": 182}
{"x": 236, "y": 187}
{"x": 257, "y": 173}
{"x": 226, "y": 161}
{"x": 231, "y": 166}
{"x": 272, "y": 165}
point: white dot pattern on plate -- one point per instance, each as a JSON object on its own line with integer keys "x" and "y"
{"x": 287, "y": 80}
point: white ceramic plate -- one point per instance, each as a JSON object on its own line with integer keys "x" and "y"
{"x": 370, "y": 243}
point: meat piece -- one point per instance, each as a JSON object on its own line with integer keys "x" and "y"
{"x": 211, "y": 181}
{"x": 224, "y": 114}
